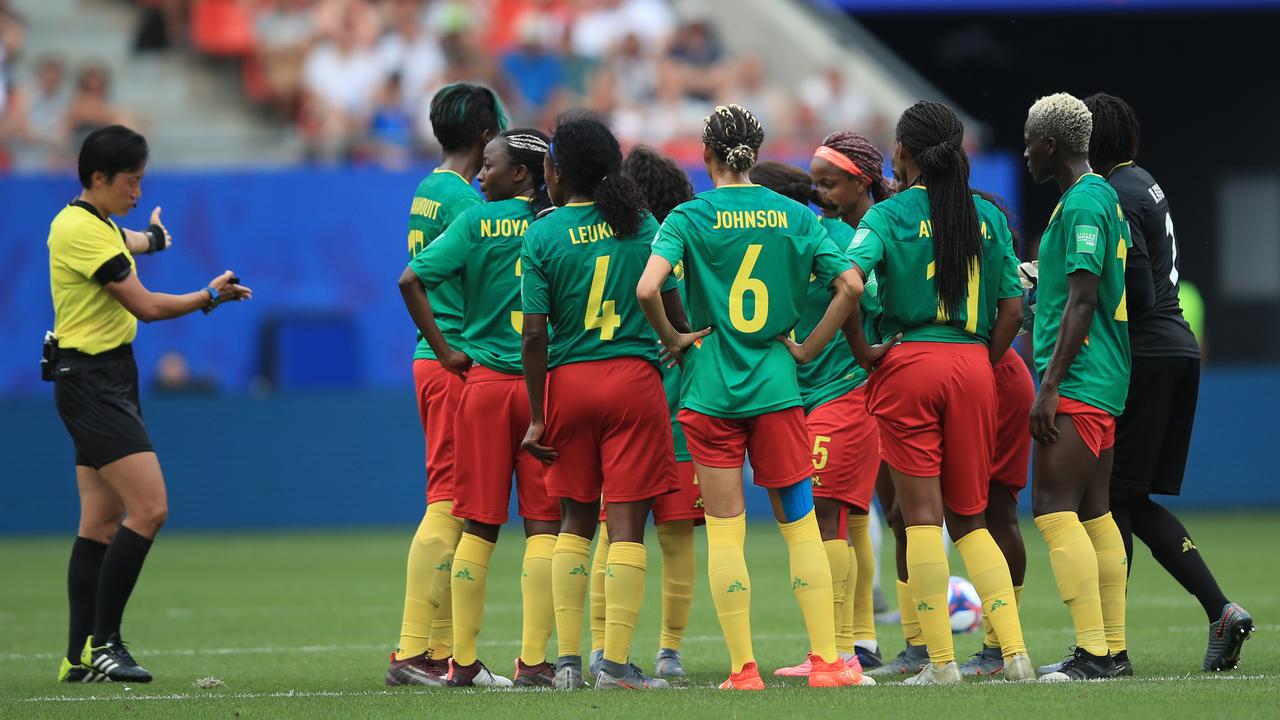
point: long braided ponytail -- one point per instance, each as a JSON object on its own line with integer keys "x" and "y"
{"x": 935, "y": 136}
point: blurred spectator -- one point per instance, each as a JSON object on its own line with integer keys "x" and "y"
{"x": 534, "y": 71}
{"x": 173, "y": 377}
{"x": 161, "y": 24}
{"x": 836, "y": 103}
{"x": 696, "y": 54}
{"x": 391, "y": 126}
{"x": 284, "y": 29}
{"x": 339, "y": 80}
{"x": 769, "y": 103}
{"x": 602, "y": 24}
{"x": 90, "y": 107}
{"x": 411, "y": 52}
{"x": 13, "y": 36}
{"x": 632, "y": 72}
{"x": 34, "y": 120}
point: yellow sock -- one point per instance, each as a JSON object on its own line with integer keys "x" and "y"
{"x": 624, "y": 594}
{"x": 1113, "y": 578}
{"x": 470, "y": 578}
{"x": 1075, "y": 567}
{"x": 425, "y": 582}
{"x": 678, "y": 569}
{"x": 730, "y": 585}
{"x": 598, "y": 561}
{"x": 927, "y": 575}
{"x": 442, "y": 625}
{"x": 535, "y": 594}
{"x": 863, "y": 566}
{"x": 569, "y": 580}
{"x": 838, "y": 560}
{"x": 846, "y": 635}
{"x": 811, "y": 582}
{"x": 989, "y": 573}
{"x": 907, "y": 615}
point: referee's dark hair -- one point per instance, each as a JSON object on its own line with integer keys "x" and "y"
{"x": 1115, "y": 135}
{"x": 111, "y": 150}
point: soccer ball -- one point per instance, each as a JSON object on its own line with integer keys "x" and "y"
{"x": 964, "y": 606}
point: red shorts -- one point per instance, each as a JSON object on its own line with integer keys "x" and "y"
{"x": 492, "y": 419}
{"x": 438, "y": 391}
{"x": 610, "y": 423}
{"x": 846, "y": 449}
{"x": 1097, "y": 427}
{"x": 928, "y": 396}
{"x": 778, "y": 443}
{"x": 683, "y": 504}
{"x": 1015, "y": 393}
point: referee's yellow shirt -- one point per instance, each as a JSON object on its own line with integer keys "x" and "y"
{"x": 85, "y": 317}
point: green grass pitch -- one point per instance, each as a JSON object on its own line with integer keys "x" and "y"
{"x": 300, "y": 625}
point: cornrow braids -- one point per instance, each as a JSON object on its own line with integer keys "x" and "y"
{"x": 785, "y": 180}
{"x": 1115, "y": 135}
{"x": 462, "y": 112}
{"x": 934, "y": 135}
{"x": 734, "y": 135}
{"x": 527, "y": 147}
{"x": 661, "y": 181}
{"x": 589, "y": 159}
{"x": 866, "y": 157}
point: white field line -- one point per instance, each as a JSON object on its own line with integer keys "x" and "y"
{"x": 182, "y": 697}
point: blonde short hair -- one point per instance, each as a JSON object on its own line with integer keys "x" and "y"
{"x": 1063, "y": 117}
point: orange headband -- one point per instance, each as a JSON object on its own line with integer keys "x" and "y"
{"x": 839, "y": 159}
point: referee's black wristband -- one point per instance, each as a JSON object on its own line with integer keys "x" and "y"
{"x": 155, "y": 239}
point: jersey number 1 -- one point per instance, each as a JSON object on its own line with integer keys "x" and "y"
{"x": 602, "y": 314}
{"x": 971, "y": 298}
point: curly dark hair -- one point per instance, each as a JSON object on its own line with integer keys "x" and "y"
{"x": 786, "y": 180}
{"x": 661, "y": 181}
{"x": 589, "y": 159}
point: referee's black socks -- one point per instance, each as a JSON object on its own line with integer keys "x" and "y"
{"x": 120, "y": 568}
{"x": 82, "y": 592}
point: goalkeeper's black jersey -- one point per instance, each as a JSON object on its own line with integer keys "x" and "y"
{"x": 1158, "y": 331}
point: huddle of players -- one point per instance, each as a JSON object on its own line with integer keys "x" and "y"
{"x": 536, "y": 358}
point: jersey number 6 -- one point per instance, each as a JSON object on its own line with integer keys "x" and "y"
{"x": 743, "y": 283}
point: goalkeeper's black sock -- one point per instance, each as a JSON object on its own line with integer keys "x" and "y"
{"x": 82, "y": 592}
{"x": 1171, "y": 546}
{"x": 120, "y": 569}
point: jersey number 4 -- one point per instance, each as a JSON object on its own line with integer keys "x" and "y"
{"x": 743, "y": 283}
{"x": 601, "y": 314}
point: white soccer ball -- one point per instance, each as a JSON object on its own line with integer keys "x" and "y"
{"x": 964, "y": 605}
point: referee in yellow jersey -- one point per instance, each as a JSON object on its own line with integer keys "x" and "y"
{"x": 97, "y": 302}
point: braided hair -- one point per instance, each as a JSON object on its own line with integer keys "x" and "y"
{"x": 1115, "y": 135}
{"x": 785, "y": 180}
{"x": 734, "y": 135}
{"x": 462, "y": 112}
{"x": 590, "y": 161}
{"x": 661, "y": 181}
{"x": 934, "y": 136}
{"x": 527, "y": 147}
{"x": 866, "y": 156}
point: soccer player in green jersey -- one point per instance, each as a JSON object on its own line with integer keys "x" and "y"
{"x": 747, "y": 254}
{"x": 605, "y": 434}
{"x": 1082, "y": 354}
{"x": 948, "y": 287}
{"x": 664, "y": 185}
{"x": 464, "y": 119}
{"x": 482, "y": 250}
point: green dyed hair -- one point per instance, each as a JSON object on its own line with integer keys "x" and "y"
{"x": 462, "y": 112}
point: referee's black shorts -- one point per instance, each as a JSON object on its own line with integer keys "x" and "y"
{"x": 1153, "y": 434}
{"x": 97, "y": 398}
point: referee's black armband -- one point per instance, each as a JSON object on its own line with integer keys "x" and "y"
{"x": 113, "y": 270}
{"x": 155, "y": 238}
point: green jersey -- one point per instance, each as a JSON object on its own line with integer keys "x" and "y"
{"x": 481, "y": 249}
{"x": 671, "y": 377}
{"x": 440, "y": 198}
{"x": 748, "y": 253}
{"x": 833, "y": 372}
{"x": 1087, "y": 232}
{"x": 583, "y": 277}
{"x": 895, "y": 239}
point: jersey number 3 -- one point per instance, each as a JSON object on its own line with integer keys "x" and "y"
{"x": 743, "y": 283}
{"x": 602, "y": 314}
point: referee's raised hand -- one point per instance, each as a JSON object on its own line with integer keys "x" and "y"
{"x": 227, "y": 290}
{"x": 164, "y": 231}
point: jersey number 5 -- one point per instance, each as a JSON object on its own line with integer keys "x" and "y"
{"x": 602, "y": 314}
{"x": 743, "y": 283}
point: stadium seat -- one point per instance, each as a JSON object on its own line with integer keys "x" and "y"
{"x": 222, "y": 28}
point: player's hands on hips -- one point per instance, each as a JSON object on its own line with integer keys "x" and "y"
{"x": 155, "y": 220}
{"x": 798, "y": 351}
{"x": 1044, "y": 413}
{"x": 876, "y": 353}
{"x": 673, "y": 354}
{"x": 456, "y": 362}
{"x": 227, "y": 290}
{"x": 531, "y": 443}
